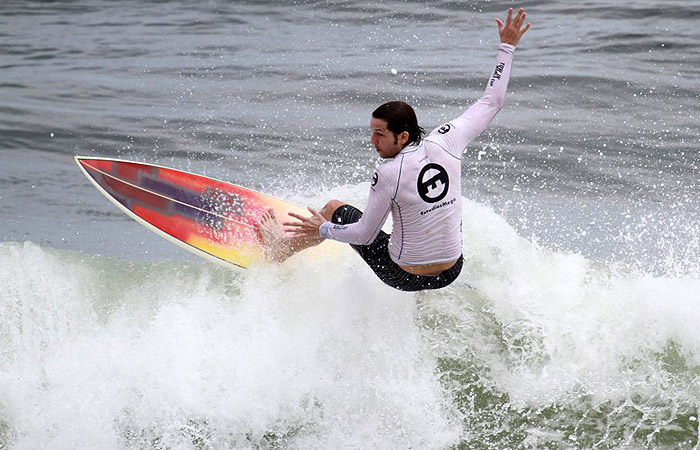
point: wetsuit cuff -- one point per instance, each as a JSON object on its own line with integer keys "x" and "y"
{"x": 507, "y": 47}
{"x": 323, "y": 229}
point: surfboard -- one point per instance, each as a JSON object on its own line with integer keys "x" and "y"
{"x": 211, "y": 218}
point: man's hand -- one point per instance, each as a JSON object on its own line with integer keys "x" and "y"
{"x": 513, "y": 29}
{"x": 305, "y": 226}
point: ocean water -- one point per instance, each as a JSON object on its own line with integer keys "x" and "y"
{"x": 574, "y": 323}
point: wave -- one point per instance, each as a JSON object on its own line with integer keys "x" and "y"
{"x": 529, "y": 348}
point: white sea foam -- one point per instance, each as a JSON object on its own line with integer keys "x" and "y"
{"x": 111, "y": 354}
{"x": 107, "y": 354}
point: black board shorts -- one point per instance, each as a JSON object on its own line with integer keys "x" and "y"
{"x": 376, "y": 255}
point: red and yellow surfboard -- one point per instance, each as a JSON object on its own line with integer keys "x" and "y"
{"x": 212, "y": 218}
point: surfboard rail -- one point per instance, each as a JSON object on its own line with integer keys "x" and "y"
{"x": 211, "y": 218}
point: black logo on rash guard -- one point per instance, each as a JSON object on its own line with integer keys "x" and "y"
{"x": 498, "y": 71}
{"x": 433, "y": 183}
{"x": 375, "y": 178}
{"x": 445, "y": 128}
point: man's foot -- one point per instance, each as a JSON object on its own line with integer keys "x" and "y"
{"x": 277, "y": 246}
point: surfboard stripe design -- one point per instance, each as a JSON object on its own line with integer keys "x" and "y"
{"x": 210, "y": 217}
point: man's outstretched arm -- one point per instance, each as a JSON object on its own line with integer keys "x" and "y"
{"x": 478, "y": 116}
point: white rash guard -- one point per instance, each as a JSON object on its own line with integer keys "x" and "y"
{"x": 421, "y": 186}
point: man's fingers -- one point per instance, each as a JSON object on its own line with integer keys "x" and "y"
{"x": 317, "y": 214}
{"x": 293, "y": 224}
{"x": 300, "y": 224}
{"x": 509, "y": 19}
{"x": 515, "y": 26}
{"x": 500, "y": 24}
{"x": 294, "y": 233}
{"x": 304, "y": 226}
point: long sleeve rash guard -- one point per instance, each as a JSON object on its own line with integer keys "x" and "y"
{"x": 421, "y": 186}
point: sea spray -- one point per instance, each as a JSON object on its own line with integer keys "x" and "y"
{"x": 551, "y": 349}
{"x": 175, "y": 355}
{"x": 529, "y": 348}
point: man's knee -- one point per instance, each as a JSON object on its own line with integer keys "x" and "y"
{"x": 330, "y": 207}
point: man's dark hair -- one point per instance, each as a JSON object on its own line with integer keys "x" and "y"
{"x": 400, "y": 117}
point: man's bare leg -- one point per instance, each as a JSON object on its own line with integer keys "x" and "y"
{"x": 277, "y": 245}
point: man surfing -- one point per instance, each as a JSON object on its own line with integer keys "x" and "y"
{"x": 419, "y": 184}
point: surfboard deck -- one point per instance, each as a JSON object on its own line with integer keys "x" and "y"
{"x": 211, "y": 218}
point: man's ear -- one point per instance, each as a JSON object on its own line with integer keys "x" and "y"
{"x": 403, "y": 138}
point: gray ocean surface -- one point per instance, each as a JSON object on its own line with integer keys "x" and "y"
{"x": 573, "y": 325}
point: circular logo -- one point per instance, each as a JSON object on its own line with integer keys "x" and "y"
{"x": 445, "y": 128}
{"x": 375, "y": 178}
{"x": 433, "y": 183}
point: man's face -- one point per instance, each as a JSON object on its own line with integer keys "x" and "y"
{"x": 387, "y": 143}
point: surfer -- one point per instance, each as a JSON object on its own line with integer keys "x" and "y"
{"x": 419, "y": 184}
